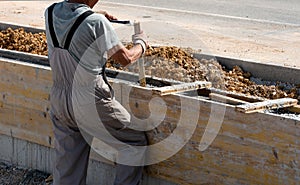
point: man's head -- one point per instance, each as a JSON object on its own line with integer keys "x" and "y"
{"x": 90, "y": 3}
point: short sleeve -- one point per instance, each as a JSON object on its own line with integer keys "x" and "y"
{"x": 106, "y": 38}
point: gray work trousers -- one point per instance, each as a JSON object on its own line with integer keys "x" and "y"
{"x": 72, "y": 148}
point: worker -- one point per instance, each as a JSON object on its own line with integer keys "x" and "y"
{"x": 79, "y": 44}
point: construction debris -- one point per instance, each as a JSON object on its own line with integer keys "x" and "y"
{"x": 169, "y": 62}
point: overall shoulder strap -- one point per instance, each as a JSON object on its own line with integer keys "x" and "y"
{"x": 77, "y": 23}
{"x": 51, "y": 27}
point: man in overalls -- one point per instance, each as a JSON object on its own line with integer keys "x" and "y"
{"x": 79, "y": 43}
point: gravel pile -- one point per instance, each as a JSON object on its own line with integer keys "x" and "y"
{"x": 179, "y": 64}
{"x": 242, "y": 82}
{"x": 170, "y": 63}
{"x": 20, "y": 40}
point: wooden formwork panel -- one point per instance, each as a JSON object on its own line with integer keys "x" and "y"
{"x": 254, "y": 148}
{"x": 249, "y": 149}
{"x": 24, "y": 102}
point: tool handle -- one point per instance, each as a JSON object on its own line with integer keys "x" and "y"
{"x": 137, "y": 27}
{"x": 119, "y": 22}
{"x": 142, "y": 76}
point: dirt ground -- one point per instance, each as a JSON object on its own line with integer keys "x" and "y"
{"x": 256, "y": 41}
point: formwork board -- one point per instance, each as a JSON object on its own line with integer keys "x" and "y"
{"x": 249, "y": 149}
{"x": 257, "y": 148}
{"x": 24, "y": 102}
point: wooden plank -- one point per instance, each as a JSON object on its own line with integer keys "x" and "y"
{"x": 24, "y": 102}
{"x": 32, "y": 136}
{"x": 295, "y": 109}
{"x": 27, "y": 119}
{"x": 181, "y": 88}
{"x": 247, "y": 98}
{"x": 267, "y": 105}
{"x": 17, "y": 89}
{"x": 226, "y": 99}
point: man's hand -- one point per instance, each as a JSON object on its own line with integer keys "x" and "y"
{"x": 139, "y": 38}
{"x": 110, "y": 17}
{"x": 107, "y": 15}
{"x": 126, "y": 57}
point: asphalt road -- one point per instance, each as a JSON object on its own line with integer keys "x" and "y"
{"x": 280, "y": 11}
{"x": 265, "y": 31}
{"x": 260, "y": 30}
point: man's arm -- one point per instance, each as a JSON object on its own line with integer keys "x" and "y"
{"x": 126, "y": 57}
{"x": 107, "y": 15}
